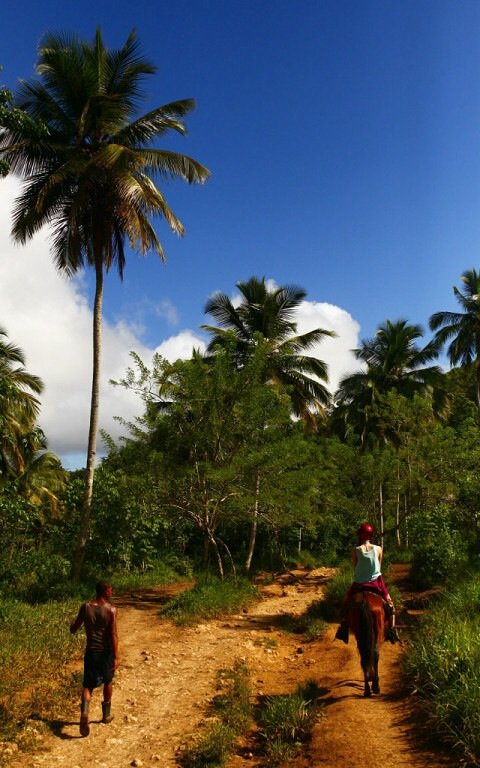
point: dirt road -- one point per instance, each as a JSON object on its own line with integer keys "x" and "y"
{"x": 167, "y": 678}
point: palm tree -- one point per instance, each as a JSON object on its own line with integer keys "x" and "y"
{"x": 463, "y": 328}
{"x": 19, "y": 405}
{"x": 270, "y": 313}
{"x": 93, "y": 178}
{"x": 394, "y": 362}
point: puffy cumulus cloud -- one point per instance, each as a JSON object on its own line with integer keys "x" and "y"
{"x": 180, "y": 345}
{"x": 48, "y": 316}
{"x": 336, "y": 352}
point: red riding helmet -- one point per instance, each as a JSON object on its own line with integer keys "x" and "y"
{"x": 365, "y": 532}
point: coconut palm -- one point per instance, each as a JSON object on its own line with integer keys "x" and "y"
{"x": 270, "y": 312}
{"x": 19, "y": 405}
{"x": 93, "y": 177}
{"x": 462, "y": 328}
{"x": 394, "y": 362}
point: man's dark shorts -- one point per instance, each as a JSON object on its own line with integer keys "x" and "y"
{"x": 97, "y": 668}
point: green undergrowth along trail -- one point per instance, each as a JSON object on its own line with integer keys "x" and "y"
{"x": 210, "y": 598}
{"x": 231, "y": 715}
{"x": 159, "y": 572}
{"x": 35, "y": 677}
{"x": 286, "y": 722}
{"x": 443, "y": 666}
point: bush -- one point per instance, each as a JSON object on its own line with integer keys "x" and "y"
{"x": 439, "y": 550}
{"x": 36, "y": 576}
{"x": 211, "y": 597}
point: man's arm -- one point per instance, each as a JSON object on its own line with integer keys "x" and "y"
{"x": 75, "y": 625}
{"x": 114, "y": 637}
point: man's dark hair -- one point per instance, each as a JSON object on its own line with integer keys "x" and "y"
{"x": 101, "y": 587}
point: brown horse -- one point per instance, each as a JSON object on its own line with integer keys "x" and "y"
{"x": 366, "y": 619}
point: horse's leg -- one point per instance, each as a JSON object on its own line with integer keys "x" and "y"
{"x": 376, "y": 681}
{"x": 366, "y": 690}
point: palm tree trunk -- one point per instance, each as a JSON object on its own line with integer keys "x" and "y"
{"x": 382, "y": 519}
{"x": 84, "y": 528}
{"x": 397, "y": 515}
{"x": 254, "y": 525}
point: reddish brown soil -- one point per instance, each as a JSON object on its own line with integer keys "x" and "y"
{"x": 168, "y": 674}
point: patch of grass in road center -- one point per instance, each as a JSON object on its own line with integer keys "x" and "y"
{"x": 211, "y": 598}
{"x": 286, "y": 722}
{"x": 232, "y": 713}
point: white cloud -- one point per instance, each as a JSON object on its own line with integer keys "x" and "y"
{"x": 335, "y": 352}
{"x": 48, "y": 316}
{"x": 168, "y": 311}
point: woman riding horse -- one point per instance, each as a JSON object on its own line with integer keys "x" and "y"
{"x": 367, "y": 561}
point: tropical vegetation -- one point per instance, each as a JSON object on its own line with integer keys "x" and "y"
{"x": 243, "y": 459}
{"x": 93, "y": 176}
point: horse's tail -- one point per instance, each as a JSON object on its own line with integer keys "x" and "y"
{"x": 366, "y": 639}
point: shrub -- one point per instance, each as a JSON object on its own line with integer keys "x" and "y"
{"x": 439, "y": 550}
{"x": 211, "y": 597}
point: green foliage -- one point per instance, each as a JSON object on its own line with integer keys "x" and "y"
{"x": 443, "y": 665}
{"x": 335, "y": 592}
{"x": 35, "y": 648}
{"x": 211, "y": 597}
{"x": 233, "y": 708}
{"x": 286, "y": 721}
{"x": 439, "y": 551}
{"x": 232, "y": 704}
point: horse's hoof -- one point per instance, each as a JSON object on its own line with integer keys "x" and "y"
{"x": 375, "y": 688}
{"x": 367, "y": 694}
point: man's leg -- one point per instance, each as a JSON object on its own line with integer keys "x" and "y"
{"x": 107, "y": 702}
{"x": 84, "y": 706}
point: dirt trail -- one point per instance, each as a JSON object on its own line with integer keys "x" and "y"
{"x": 167, "y": 679}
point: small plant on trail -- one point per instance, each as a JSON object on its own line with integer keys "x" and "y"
{"x": 266, "y": 642}
{"x": 233, "y": 709}
{"x": 210, "y": 598}
{"x": 287, "y": 721}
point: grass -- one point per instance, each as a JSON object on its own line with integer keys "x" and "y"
{"x": 287, "y": 721}
{"x": 233, "y": 712}
{"x": 211, "y": 598}
{"x": 159, "y": 573}
{"x": 442, "y": 664}
{"x": 35, "y": 650}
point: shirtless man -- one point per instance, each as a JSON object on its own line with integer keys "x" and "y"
{"x": 99, "y": 618}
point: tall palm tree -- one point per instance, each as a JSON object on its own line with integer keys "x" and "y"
{"x": 19, "y": 405}
{"x": 93, "y": 177}
{"x": 463, "y": 328}
{"x": 271, "y": 313}
{"x": 394, "y": 362}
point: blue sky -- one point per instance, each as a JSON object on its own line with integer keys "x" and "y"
{"x": 342, "y": 137}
